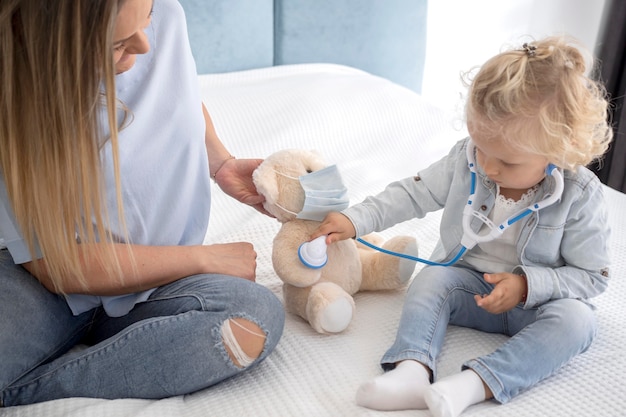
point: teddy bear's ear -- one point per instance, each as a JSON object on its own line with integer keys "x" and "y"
{"x": 264, "y": 178}
{"x": 291, "y": 162}
{"x": 314, "y": 160}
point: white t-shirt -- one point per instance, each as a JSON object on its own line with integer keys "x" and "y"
{"x": 500, "y": 255}
{"x": 163, "y": 159}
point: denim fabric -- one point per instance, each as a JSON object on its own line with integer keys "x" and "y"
{"x": 168, "y": 345}
{"x": 542, "y": 339}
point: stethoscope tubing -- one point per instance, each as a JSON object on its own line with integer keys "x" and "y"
{"x": 414, "y": 258}
{"x": 471, "y": 238}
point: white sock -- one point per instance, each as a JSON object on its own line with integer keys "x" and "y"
{"x": 400, "y": 389}
{"x": 453, "y": 394}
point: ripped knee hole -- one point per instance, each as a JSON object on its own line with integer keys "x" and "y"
{"x": 244, "y": 342}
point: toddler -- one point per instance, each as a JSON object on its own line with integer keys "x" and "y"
{"x": 527, "y": 108}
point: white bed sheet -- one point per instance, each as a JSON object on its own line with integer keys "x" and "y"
{"x": 376, "y": 132}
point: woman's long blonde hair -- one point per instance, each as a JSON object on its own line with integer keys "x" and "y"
{"x": 540, "y": 99}
{"x": 56, "y": 74}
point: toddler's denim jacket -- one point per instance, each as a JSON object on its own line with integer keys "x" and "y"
{"x": 563, "y": 248}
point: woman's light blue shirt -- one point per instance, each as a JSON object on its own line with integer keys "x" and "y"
{"x": 163, "y": 158}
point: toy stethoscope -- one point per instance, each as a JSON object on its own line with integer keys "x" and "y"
{"x": 313, "y": 253}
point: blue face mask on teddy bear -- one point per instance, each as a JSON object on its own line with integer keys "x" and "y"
{"x": 324, "y": 192}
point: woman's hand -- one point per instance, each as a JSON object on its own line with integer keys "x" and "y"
{"x": 509, "y": 291}
{"x": 234, "y": 177}
{"x": 238, "y": 259}
{"x": 336, "y": 226}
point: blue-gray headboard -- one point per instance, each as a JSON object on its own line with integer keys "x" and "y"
{"x": 384, "y": 37}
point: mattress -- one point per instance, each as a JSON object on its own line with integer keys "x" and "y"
{"x": 376, "y": 132}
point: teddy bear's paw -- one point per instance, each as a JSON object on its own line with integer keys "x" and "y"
{"x": 385, "y": 272}
{"x": 406, "y": 267}
{"x": 373, "y": 238}
{"x": 329, "y": 308}
{"x": 336, "y": 316}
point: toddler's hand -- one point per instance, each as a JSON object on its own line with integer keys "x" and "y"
{"x": 336, "y": 226}
{"x": 508, "y": 292}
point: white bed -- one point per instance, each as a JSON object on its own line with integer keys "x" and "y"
{"x": 376, "y": 131}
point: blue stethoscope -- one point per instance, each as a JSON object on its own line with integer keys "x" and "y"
{"x": 313, "y": 254}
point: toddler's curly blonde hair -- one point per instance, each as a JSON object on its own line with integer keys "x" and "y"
{"x": 540, "y": 99}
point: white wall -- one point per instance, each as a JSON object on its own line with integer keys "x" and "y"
{"x": 462, "y": 34}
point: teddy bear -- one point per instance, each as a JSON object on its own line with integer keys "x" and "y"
{"x": 323, "y": 295}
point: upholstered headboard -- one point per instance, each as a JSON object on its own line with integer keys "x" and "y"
{"x": 386, "y": 38}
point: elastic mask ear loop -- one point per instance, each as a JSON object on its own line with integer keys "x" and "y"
{"x": 291, "y": 178}
{"x": 287, "y": 176}
{"x": 285, "y": 210}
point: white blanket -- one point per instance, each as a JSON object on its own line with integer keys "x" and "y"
{"x": 376, "y": 132}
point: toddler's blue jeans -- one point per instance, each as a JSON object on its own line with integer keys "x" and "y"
{"x": 542, "y": 339}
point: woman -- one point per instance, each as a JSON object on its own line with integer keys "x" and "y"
{"x": 106, "y": 153}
